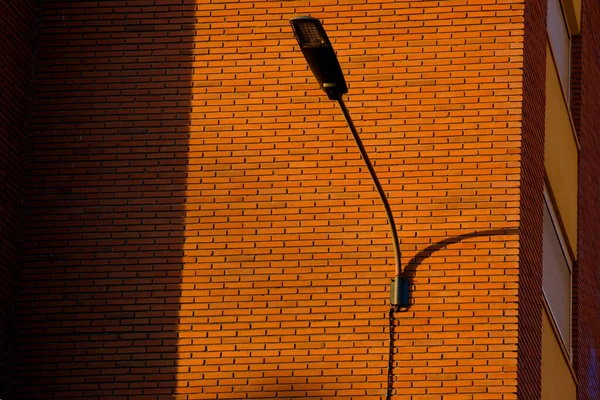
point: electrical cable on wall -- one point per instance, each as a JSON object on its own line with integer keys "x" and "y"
{"x": 390, "y": 371}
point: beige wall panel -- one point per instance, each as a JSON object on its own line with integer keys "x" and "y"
{"x": 557, "y": 381}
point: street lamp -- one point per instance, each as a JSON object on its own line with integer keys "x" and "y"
{"x": 321, "y": 59}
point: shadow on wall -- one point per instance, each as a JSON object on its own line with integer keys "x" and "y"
{"x": 411, "y": 268}
{"x": 17, "y": 21}
{"x": 104, "y": 215}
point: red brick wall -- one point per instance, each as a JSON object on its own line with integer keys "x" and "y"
{"x": 199, "y": 223}
{"x": 17, "y": 20}
{"x": 588, "y": 277}
{"x": 100, "y": 287}
{"x": 532, "y": 202}
{"x": 576, "y": 101}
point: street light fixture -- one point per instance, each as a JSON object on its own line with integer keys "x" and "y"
{"x": 323, "y": 62}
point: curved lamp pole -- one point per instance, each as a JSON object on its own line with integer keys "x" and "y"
{"x": 321, "y": 59}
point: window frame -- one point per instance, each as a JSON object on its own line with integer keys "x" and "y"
{"x": 566, "y": 86}
{"x": 554, "y": 218}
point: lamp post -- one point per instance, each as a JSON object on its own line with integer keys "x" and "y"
{"x": 321, "y": 59}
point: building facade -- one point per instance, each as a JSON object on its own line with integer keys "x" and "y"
{"x": 184, "y": 214}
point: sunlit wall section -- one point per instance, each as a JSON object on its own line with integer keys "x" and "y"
{"x": 288, "y": 256}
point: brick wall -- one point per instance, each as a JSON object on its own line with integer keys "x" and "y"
{"x": 421, "y": 86}
{"x": 532, "y": 202}
{"x": 17, "y": 19}
{"x": 575, "y": 106}
{"x": 588, "y": 277}
{"x": 295, "y": 249}
{"x": 199, "y": 223}
{"x": 100, "y": 288}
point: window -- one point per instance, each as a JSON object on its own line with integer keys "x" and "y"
{"x": 557, "y": 270}
{"x": 560, "y": 42}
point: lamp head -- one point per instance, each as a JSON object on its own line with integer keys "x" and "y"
{"x": 319, "y": 55}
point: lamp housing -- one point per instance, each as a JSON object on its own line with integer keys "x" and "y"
{"x": 319, "y": 55}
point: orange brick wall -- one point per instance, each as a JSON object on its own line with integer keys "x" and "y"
{"x": 199, "y": 223}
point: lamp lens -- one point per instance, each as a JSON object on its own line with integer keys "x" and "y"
{"x": 311, "y": 34}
